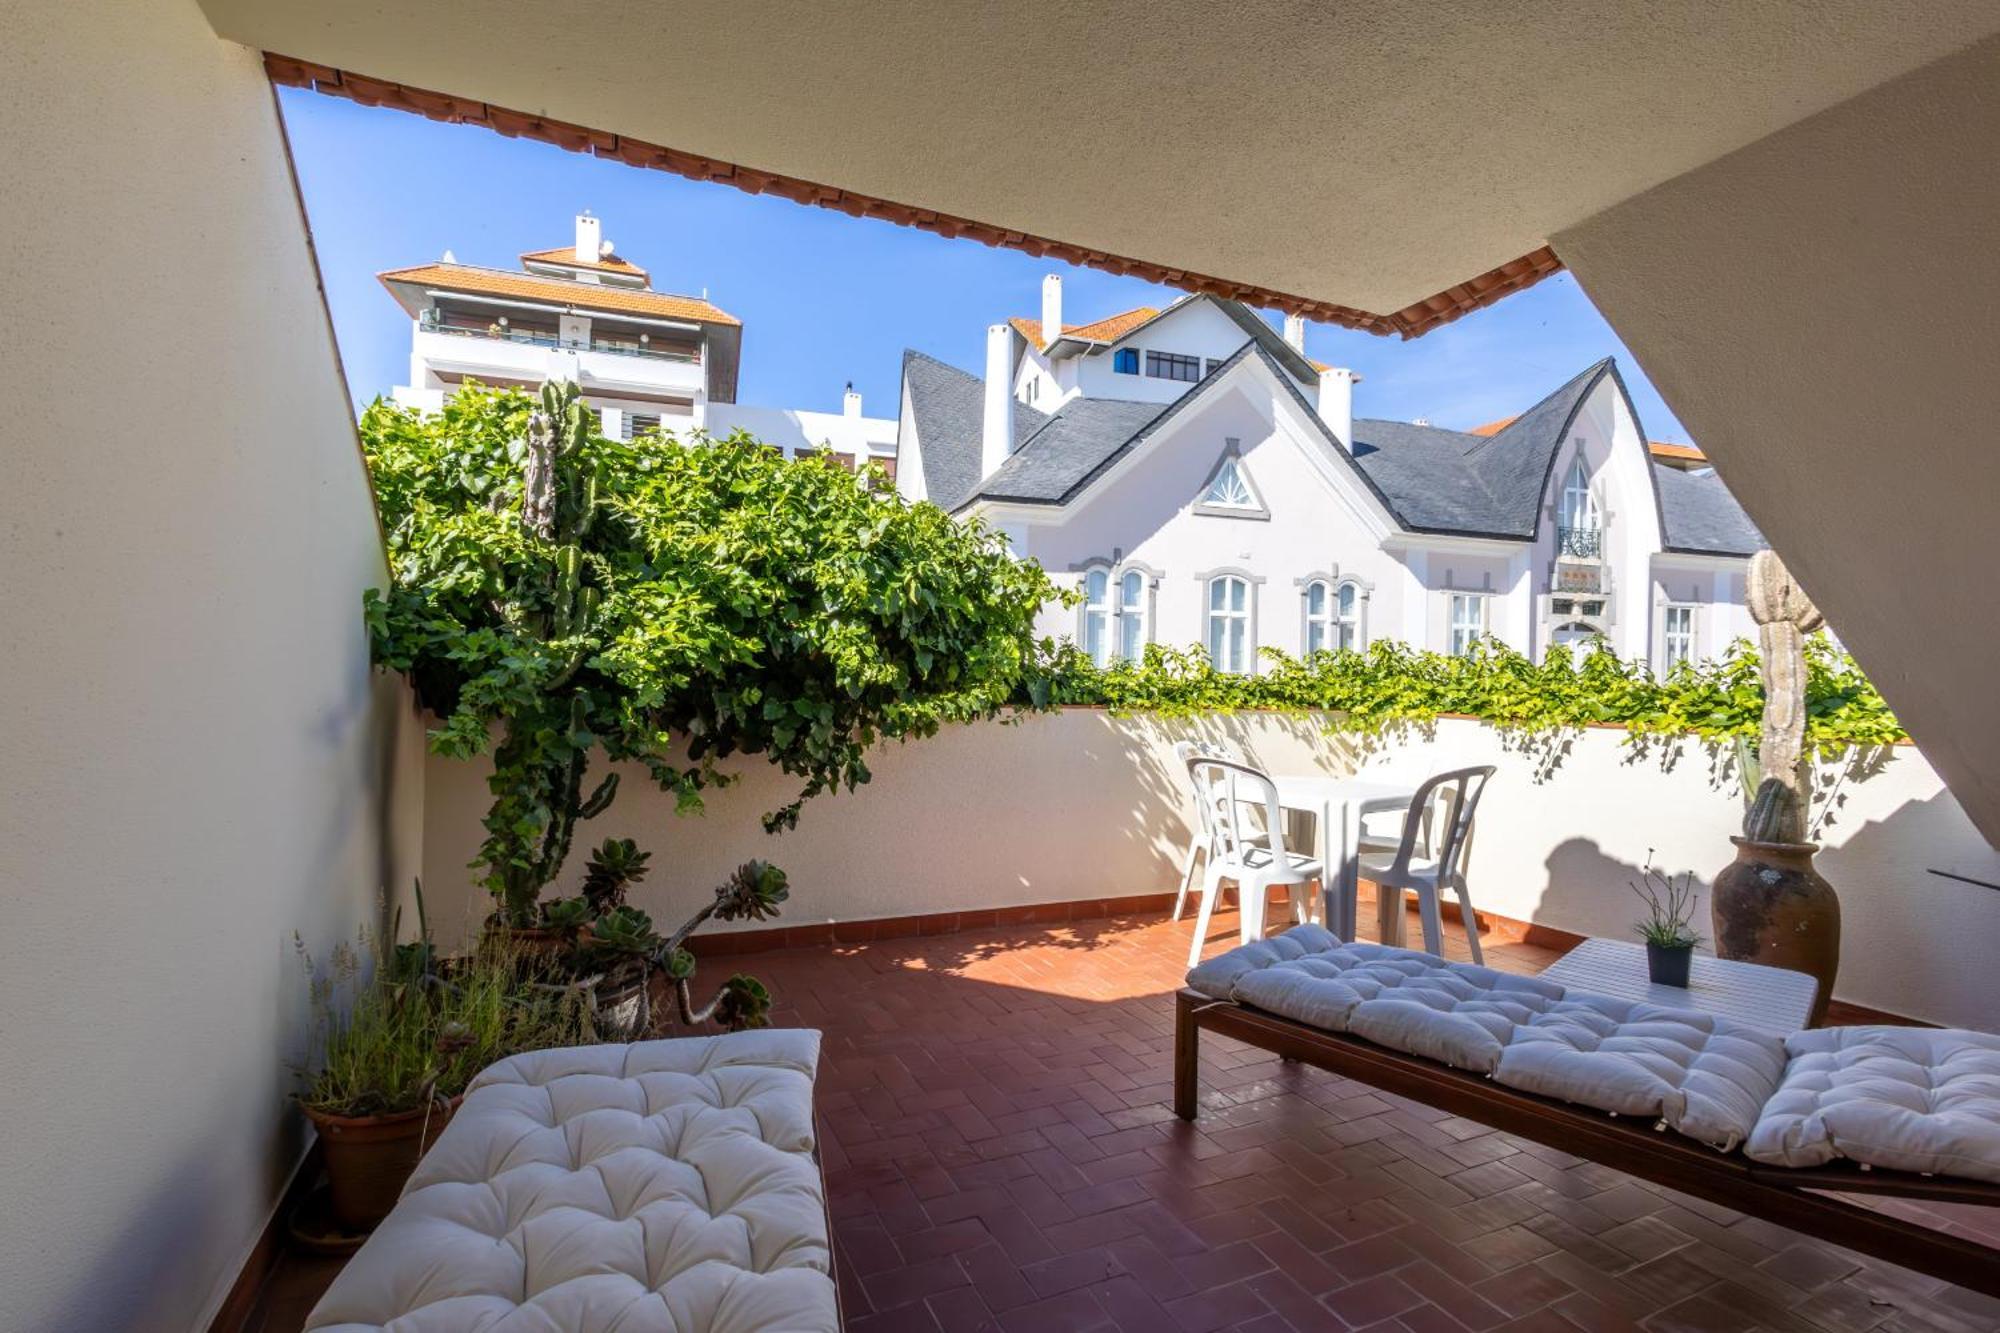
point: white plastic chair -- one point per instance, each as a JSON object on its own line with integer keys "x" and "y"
{"x": 1200, "y": 843}
{"x": 1253, "y": 859}
{"x": 1416, "y": 866}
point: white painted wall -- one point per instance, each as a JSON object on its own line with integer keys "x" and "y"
{"x": 1146, "y": 517}
{"x": 797, "y": 431}
{"x": 1817, "y": 308}
{"x": 195, "y": 760}
{"x": 1083, "y": 804}
{"x": 1197, "y": 328}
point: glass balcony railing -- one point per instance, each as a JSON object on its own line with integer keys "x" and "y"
{"x": 617, "y": 346}
{"x": 1582, "y": 543}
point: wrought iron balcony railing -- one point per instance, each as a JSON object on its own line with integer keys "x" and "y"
{"x": 1583, "y": 543}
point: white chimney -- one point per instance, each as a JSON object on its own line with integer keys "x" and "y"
{"x": 589, "y": 235}
{"x": 996, "y": 433}
{"x": 1336, "y": 404}
{"x": 850, "y": 402}
{"x": 1295, "y": 333}
{"x": 1051, "y": 309}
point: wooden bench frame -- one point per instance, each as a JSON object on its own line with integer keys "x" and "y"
{"x": 1791, "y": 1197}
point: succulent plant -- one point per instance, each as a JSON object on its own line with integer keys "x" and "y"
{"x": 568, "y": 915}
{"x": 613, "y": 866}
{"x": 743, "y": 1003}
{"x": 625, "y": 931}
{"x": 754, "y": 892}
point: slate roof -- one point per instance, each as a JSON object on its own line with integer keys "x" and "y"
{"x": 950, "y": 410}
{"x": 1701, "y": 516}
{"x": 1431, "y": 479}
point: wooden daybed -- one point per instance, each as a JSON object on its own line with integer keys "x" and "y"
{"x": 1807, "y": 1200}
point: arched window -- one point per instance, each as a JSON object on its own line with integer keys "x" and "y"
{"x": 1333, "y": 616}
{"x": 1229, "y": 641}
{"x": 1132, "y": 615}
{"x": 1577, "y": 516}
{"x": 1097, "y": 615}
{"x": 1125, "y": 361}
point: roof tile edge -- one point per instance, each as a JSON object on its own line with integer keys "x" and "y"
{"x": 1411, "y": 321}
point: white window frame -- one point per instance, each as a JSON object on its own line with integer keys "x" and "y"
{"x": 1668, "y": 634}
{"x": 1246, "y": 615}
{"x": 1455, "y": 625}
{"x": 1114, "y": 608}
{"x": 1099, "y": 611}
{"x": 1578, "y": 508}
{"x": 1342, "y": 629}
{"x": 1232, "y": 456}
{"x": 1131, "y": 609}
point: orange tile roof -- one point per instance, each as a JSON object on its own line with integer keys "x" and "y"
{"x": 1106, "y": 330}
{"x": 566, "y": 255}
{"x": 588, "y": 295}
{"x": 1492, "y": 427}
{"x": 1685, "y": 452}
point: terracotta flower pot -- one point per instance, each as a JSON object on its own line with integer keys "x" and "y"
{"x": 1770, "y": 906}
{"x": 370, "y": 1157}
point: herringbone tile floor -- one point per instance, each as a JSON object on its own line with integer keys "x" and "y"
{"x": 1000, "y": 1156}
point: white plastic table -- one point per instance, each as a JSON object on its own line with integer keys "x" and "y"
{"x": 1338, "y": 806}
{"x": 1770, "y": 998}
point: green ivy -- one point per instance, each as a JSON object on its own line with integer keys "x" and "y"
{"x": 1390, "y": 683}
{"x": 741, "y": 603}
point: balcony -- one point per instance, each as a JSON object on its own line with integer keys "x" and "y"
{"x": 1580, "y": 543}
{"x": 615, "y": 345}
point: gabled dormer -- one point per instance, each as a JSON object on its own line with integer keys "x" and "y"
{"x": 1145, "y": 354}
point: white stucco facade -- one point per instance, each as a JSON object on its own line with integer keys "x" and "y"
{"x": 1559, "y": 534}
{"x": 646, "y": 361}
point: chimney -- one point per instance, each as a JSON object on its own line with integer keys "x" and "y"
{"x": 589, "y": 236}
{"x": 850, "y": 402}
{"x": 1051, "y": 309}
{"x": 1336, "y": 404}
{"x": 1295, "y": 333}
{"x": 996, "y": 434}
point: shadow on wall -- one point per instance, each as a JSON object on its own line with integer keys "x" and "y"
{"x": 1587, "y": 889}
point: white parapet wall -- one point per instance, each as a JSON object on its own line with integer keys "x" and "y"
{"x": 1082, "y": 804}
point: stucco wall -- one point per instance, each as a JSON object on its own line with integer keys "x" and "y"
{"x": 1817, "y": 308}
{"x": 194, "y": 758}
{"x": 1081, "y": 804}
{"x": 1147, "y": 514}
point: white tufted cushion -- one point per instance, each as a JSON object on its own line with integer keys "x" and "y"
{"x": 1705, "y": 1076}
{"x": 660, "y": 1187}
{"x": 1908, "y": 1099}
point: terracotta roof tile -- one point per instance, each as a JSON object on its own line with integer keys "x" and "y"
{"x": 529, "y": 287}
{"x": 1411, "y": 321}
{"x": 1492, "y": 427}
{"x": 566, "y": 255}
{"x": 1684, "y": 452}
{"x": 1109, "y": 329}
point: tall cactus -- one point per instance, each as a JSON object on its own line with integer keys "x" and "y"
{"x": 555, "y": 603}
{"x": 1785, "y": 615}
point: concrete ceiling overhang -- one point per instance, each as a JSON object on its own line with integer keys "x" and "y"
{"x": 1367, "y": 159}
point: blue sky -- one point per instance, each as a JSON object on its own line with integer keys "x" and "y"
{"x": 824, "y": 298}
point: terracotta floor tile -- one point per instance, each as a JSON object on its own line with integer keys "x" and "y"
{"x": 1000, "y": 1155}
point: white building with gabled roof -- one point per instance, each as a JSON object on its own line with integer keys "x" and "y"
{"x": 1202, "y": 481}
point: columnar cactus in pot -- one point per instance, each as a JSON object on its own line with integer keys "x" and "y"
{"x": 1771, "y": 906}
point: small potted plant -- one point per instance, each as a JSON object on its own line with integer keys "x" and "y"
{"x": 1667, "y": 929}
{"x": 397, "y": 1035}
